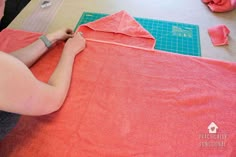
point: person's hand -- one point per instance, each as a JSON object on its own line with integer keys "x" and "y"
{"x": 62, "y": 34}
{"x": 75, "y": 45}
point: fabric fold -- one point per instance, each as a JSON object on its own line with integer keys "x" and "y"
{"x": 220, "y": 5}
{"x": 219, "y": 35}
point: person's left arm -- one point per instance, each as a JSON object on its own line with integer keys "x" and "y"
{"x": 30, "y": 54}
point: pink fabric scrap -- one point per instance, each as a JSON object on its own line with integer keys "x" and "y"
{"x": 220, "y": 5}
{"x": 219, "y": 35}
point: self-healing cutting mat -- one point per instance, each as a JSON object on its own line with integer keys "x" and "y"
{"x": 170, "y": 36}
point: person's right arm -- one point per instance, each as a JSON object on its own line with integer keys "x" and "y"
{"x": 31, "y": 53}
{"x": 21, "y": 92}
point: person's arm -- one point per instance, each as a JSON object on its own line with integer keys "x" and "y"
{"x": 30, "y": 54}
{"x": 21, "y": 92}
{"x": 2, "y": 6}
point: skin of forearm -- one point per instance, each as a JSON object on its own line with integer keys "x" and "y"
{"x": 30, "y": 54}
{"x": 61, "y": 77}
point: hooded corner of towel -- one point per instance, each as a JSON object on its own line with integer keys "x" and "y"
{"x": 119, "y": 27}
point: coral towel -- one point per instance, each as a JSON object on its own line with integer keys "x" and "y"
{"x": 220, "y": 5}
{"x": 127, "y": 99}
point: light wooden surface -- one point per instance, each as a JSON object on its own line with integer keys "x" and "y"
{"x": 185, "y": 11}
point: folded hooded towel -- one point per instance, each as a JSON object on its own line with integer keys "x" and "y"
{"x": 220, "y": 5}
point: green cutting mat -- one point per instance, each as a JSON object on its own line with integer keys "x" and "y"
{"x": 170, "y": 36}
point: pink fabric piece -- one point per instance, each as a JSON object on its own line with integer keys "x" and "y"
{"x": 127, "y": 100}
{"x": 219, "y": 35}
{"x": 220, "y": 5}
{"x": 2, "y": 6}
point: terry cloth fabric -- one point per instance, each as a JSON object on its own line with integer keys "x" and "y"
{"x": 127, "y": 99}
{"x": 219, "y": 35}
{"x": 220, "y": 5}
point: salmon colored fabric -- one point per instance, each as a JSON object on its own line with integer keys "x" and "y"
{"x": 221, "y": 5}
{"x": 219, "y": 35}
{"x": 127, "y": 100}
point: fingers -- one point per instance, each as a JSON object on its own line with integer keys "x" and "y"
{"x": 77, "y": 38}
{"x": 69, "y": 31}
{"x": 76, "y": 44}
{"x": 70, "y": 35}
{"x": 81, "y": 33}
